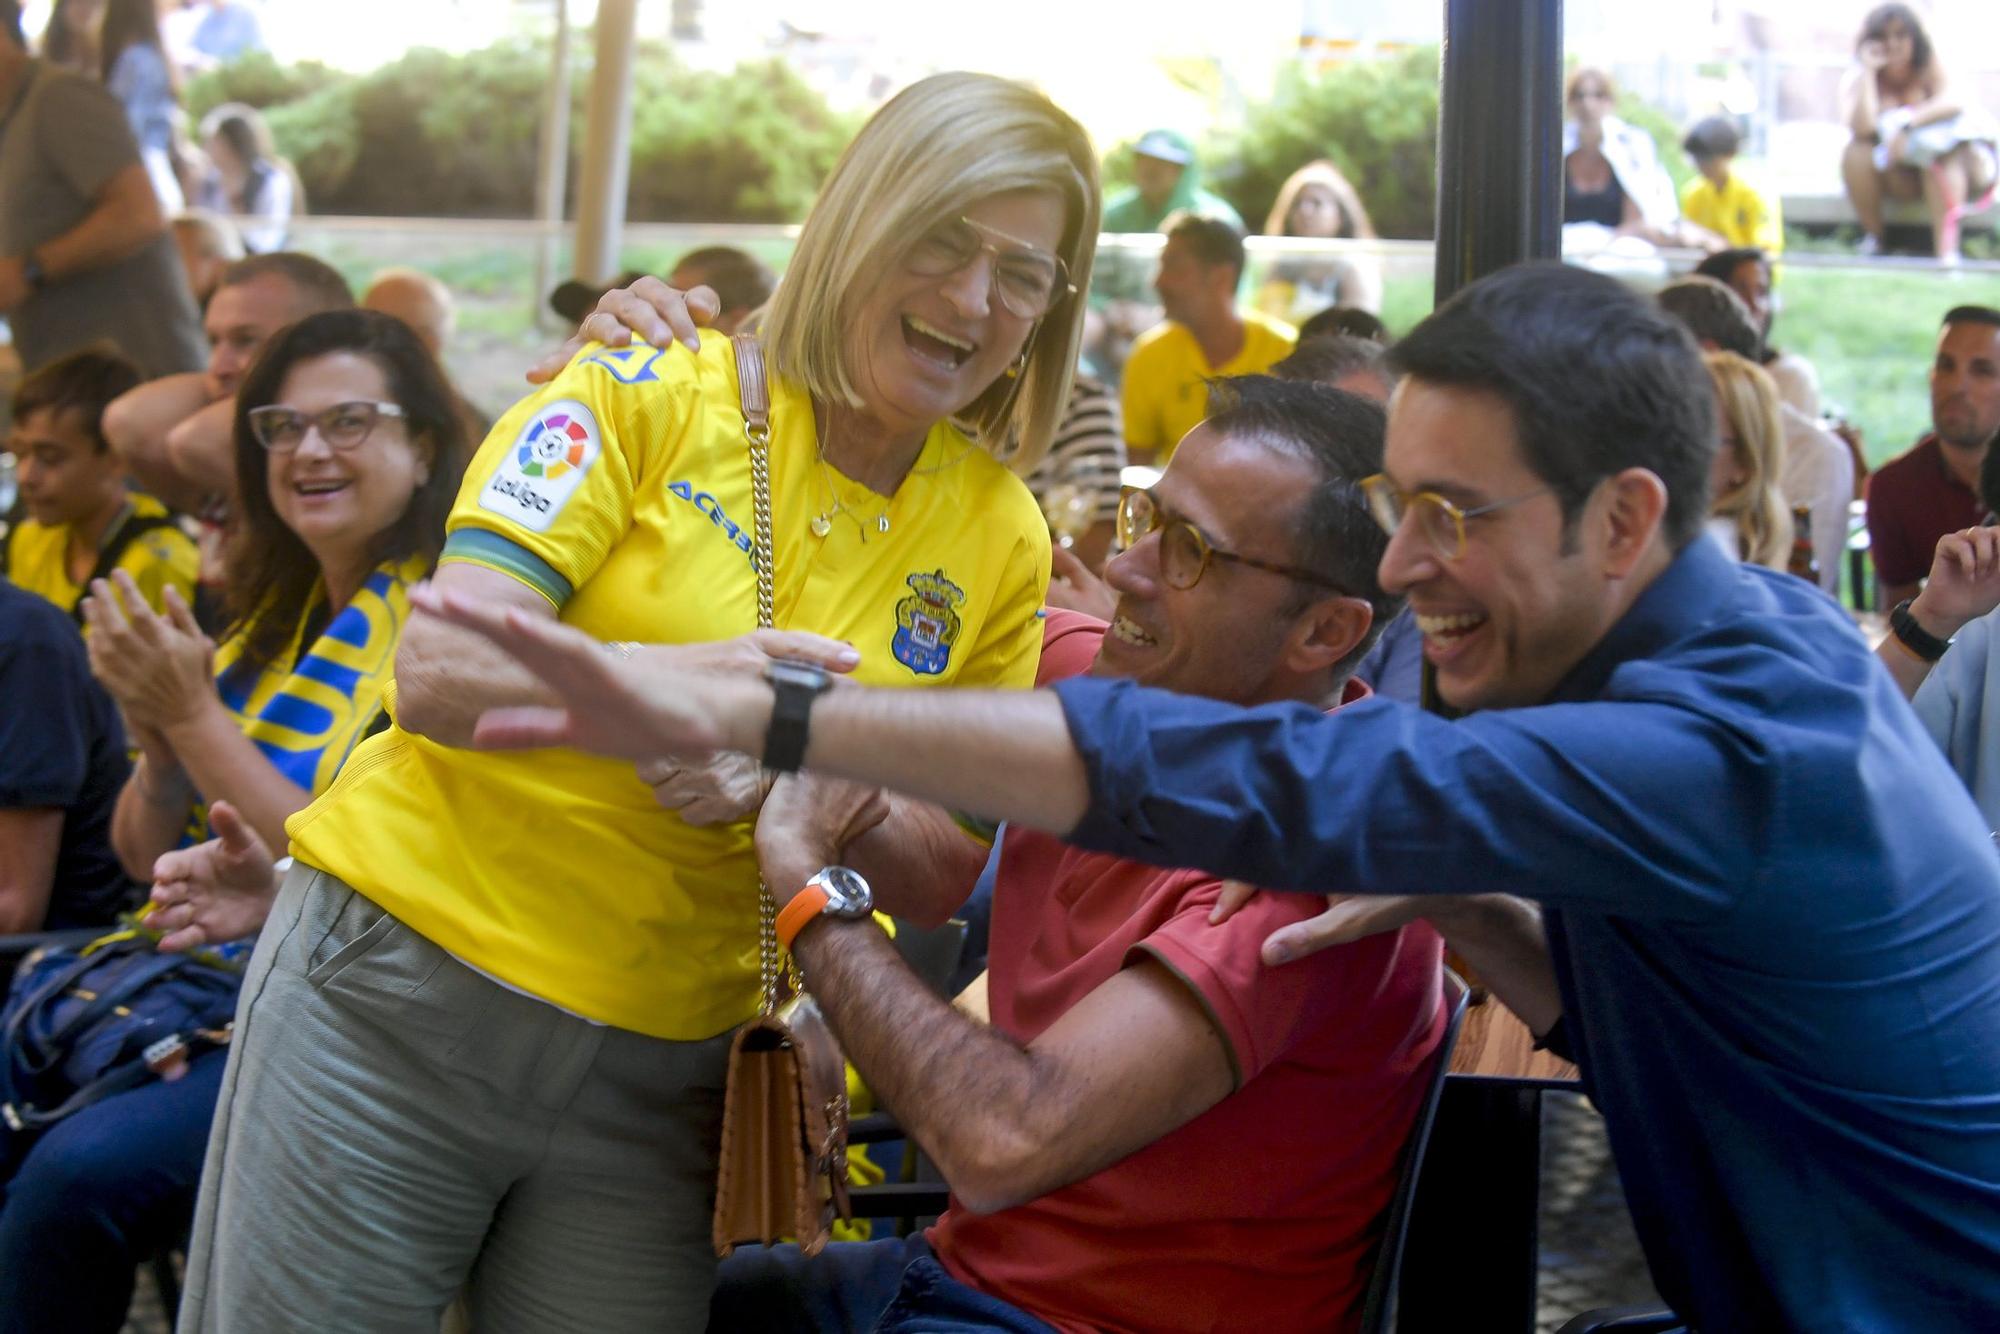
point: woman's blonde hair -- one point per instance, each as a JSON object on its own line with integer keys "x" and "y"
{"x": 1749, "y": 399}
{"x": 933, "y": 149}
{"x": 1354, "y": 216}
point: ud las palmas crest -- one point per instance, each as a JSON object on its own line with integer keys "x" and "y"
{"x": 926, "y": 624}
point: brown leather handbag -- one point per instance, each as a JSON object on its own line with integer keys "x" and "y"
{"x": 784, "y": 1117}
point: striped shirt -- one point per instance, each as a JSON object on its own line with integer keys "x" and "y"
{"x": 1088, "y": 453}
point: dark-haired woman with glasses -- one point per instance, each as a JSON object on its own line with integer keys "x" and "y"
{"x": 348, "y": 452}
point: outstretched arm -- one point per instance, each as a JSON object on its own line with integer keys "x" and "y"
{"x": 920, "y": 742}
{"x": 1544, "y": 802}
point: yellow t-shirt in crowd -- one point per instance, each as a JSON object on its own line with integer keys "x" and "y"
{"x": 621, "y": 491}
{"x": 1164, "y": 392}
{"x": 37, "y": 558}
{"x": 1740, "y": 213}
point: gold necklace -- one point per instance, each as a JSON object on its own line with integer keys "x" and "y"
{"x": 822, "y": 523}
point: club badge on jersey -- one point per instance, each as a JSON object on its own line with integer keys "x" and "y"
{"x": 927, "y": 624}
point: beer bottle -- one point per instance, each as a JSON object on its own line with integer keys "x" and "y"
{"x": 1804, "y": 563}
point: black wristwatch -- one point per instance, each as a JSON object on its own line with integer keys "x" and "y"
{"x": 794, "y": 687}
{"x": 1914, "y": 637}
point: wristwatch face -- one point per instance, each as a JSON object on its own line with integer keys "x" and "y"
{"x": 783, "y": 671}
{"x": 847, "y": 894}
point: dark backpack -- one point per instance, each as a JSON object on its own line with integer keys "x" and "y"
{"x": 82, "y": 1024}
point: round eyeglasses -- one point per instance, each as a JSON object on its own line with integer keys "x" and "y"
{"x": 1438, "y": 520}
{"x": 1028, "y": 281}
{"x": 280, "y": 429}
{"x": 1185, "y": 551}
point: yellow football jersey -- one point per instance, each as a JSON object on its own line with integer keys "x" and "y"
{"x": 1164, "y": 392}
{"x": 621, "y": 491}
{"x": 37, "y": 558}
{"x": 1740, "y": 213}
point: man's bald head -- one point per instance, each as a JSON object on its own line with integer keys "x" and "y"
{"x": 418, "y": 300}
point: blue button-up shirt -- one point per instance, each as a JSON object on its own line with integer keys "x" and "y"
{"x": 1774, "y": 915}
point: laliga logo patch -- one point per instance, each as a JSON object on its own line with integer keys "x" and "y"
{"x": 545, "y": 466}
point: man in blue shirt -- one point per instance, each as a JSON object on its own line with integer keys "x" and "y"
{"x": 1772, "y": 913}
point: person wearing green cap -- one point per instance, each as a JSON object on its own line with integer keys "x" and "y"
{"x": 1168, "y": 182}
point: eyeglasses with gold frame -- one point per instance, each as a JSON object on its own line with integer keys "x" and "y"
{"x": 1185, "y": 551}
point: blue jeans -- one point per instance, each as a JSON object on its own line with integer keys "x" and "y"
{"x": 853, "y": 1287}
{"x": 99, "y": 1192}
{"x": 842, "y": 1290}
{"x": 933, "y": 1302}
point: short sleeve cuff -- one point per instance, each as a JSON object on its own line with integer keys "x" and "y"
{"x": 477, "y": 546}
{"x": 1210, "y": 993}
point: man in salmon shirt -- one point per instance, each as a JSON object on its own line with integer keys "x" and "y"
{"x": 1095, "y": 1136}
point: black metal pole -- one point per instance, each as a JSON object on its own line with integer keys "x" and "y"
{"x": 1499, "y": 196}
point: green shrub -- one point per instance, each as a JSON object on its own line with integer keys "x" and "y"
{"x": 752, "y": 145}
{"x": 259, "y": 81}
{"x": 433, "y": 134}
{"x": 1375, "y": 120}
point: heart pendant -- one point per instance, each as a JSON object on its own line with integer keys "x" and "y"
{"x": 821, "y": 525}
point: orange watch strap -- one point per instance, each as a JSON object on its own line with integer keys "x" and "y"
{"x": 807, "y": 904}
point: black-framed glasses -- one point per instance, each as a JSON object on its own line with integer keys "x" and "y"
{"x": 1185, "y": 551}
{"x": 1028, "y": 281}
{"x": 280, "y": 429}
{"x": 1441, "y": 522}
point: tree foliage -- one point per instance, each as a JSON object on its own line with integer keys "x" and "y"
{"x": 1377, "y": 121}
{"x": 433, "y": 134}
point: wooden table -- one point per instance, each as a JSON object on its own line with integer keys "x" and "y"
{"x": 1493, "y": 1043}
{"x": 1470, "y": 1260}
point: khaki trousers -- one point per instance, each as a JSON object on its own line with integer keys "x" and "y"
{"x": 395, "y": 1127}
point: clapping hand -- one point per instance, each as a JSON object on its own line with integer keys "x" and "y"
{"x": 160, "y": 669}
{"x": 217, "y": 891}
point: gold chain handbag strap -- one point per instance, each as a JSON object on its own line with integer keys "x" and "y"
{"x": 754, "y": 392}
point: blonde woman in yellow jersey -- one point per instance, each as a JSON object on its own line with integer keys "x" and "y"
{"x": 484, "y": 1036}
